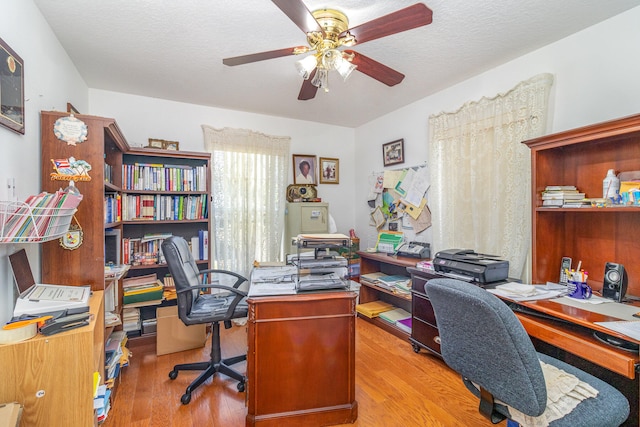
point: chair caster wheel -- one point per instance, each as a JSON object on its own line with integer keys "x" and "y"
{"x": 240, "y": 387}
{"x": 416, "y": 348}
{"x": 173, "y": 375}
{"x": 186, "y": 398}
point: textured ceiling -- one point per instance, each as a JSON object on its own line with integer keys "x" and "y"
{"x": 174, "y": 49}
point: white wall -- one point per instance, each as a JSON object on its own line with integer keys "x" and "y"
{"x": 50, "y": 81}
{"x": 596, "y": 78}
{"x": 141, "y": 118}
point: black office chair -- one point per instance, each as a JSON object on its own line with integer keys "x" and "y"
{"x": 483, "y": 340}
{"x": 196, "y": 308}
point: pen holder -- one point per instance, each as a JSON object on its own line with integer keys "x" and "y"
{"x": 579, "y": 290}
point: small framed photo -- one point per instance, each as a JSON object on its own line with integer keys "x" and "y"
{"x": 171, "y": 145}
{"x": 393, "y": 152}
{"x": 155, "y": 143}
{"x": 11, "y": 89}
{"x": 329, "y": 171}
{"x": 304, "y": 169}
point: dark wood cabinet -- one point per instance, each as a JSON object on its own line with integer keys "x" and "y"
{"x": 424, "y": 330}
{"x": 301, "y": 360}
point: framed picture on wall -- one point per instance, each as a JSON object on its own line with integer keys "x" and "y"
{"x": 329, "y": 171}
{"x": 393, "y": 152}
{"x": 11, "y": 89}
{"x": 304, "y": 169}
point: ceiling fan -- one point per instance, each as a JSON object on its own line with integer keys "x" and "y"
{"x": 327, "y": 32}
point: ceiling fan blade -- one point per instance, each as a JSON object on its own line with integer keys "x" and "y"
{"x": 299, "y": 14}
{"x": 255, "y": 57}
{"x": 308, "y": 91}
{"x": 396, "y": 22}
{"x": 375, "y": 70}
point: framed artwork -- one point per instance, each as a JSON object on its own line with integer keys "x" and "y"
{"x": 171, "y": 145}
{"x": 329, "y": 171}
{"x": 11, "y": 89}
{"x": 304, "y": 169}
{"x": 393, "y": 152}
{"x": 155, "y": 143}
{"x": 164, "y": 145}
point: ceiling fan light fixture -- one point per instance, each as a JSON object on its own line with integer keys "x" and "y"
{"x": 345, "y": 68}
{"x": 306, "y": 65}
{"x": 321, "y": 79}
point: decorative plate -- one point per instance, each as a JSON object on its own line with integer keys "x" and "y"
{"x": 70, "y": 130}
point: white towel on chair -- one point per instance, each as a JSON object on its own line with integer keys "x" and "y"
{"x": 564, "y": 392}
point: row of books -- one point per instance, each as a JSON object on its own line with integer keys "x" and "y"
{"x": 159, "y": 177}
{"x": 394, "y": 316}
{"x": 566, "y": 196}
{"x": 39, "y": 216}
{"x": 147, "y": 250}
{"x": 395, "y": 283}
{"x": 159, "y": 207}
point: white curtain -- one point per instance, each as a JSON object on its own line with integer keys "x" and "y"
{"x": 248, "y": 172}
{"x": 481, "y": 173}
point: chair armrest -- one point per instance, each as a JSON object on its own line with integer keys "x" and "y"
{"x": 238, "y": 292}
{"x": 240, "y": 278}
{"x": 232, "y": 307}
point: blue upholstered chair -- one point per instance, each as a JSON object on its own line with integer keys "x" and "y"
{"x": 196, "y": 308}
{"x": 483, "y": 340}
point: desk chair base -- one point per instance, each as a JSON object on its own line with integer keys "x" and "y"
{"x": 217, "y": 364}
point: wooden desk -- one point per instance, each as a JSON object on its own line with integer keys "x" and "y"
{"x": 53, "y": 376}
{"x": 567, "y": 340}
{"x": 301, "y": 360}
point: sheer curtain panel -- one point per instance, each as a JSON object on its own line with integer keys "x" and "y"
{"x": 481, "y": 173}
{"x": 248, "y": 172}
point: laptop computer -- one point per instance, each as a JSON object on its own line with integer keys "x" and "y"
{"x": 21, "y": 271}
{"x": 37, "y": 298}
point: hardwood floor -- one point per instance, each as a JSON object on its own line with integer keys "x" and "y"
{"x": 394, "y": 387}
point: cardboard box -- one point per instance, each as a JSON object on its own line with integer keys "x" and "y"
{"x": 173, "y": 335}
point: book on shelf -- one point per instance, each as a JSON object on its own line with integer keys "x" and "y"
{"x": 560, "y": 187}
{"x": 139, "y": 280}
{"x": 562, "y": 195}
{"x": 553, "y": 203}
{"x": 395, "y": 314}
{"x": 405, "y": 324}
{"x": 145, "y": 298}
{"x": 577, "y": 204}
{"x": 374, "y": 308}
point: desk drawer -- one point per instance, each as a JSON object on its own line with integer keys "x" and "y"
{"x": 425, "y": 334}
{"x": 422, "y": 309}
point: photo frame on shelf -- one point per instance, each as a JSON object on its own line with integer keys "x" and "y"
{"x": 393, "y": 152}
{"x": 304, "y": 169}
{"x": 163, "y": 144}
{"x": 171, "y": 145}
{"x": 329, "y": 170}
{"x": 155, "y": 143}
{"x": 12, "y": 93}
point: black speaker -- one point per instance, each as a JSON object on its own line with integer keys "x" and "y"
{"x": 615, "y": 281}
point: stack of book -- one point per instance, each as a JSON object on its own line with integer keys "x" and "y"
{"x": 142, "y": 291}
{"x": 394, "y": 316}
{"x": 131, "y": 320}
{"x": 374, "y": 308}
{"x": 395, "y": 283}
{"x": 556, "y": 196}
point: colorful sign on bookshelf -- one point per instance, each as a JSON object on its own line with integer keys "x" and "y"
{"x": 70, "y": 170}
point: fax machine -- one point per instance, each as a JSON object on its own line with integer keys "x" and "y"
{"x": 468, "y": 265}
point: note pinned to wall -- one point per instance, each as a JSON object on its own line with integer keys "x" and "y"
{"x": 413, "y": 210}
{"x": 391, "y": 178}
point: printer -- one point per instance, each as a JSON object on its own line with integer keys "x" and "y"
{"x": 467, "y": 265}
